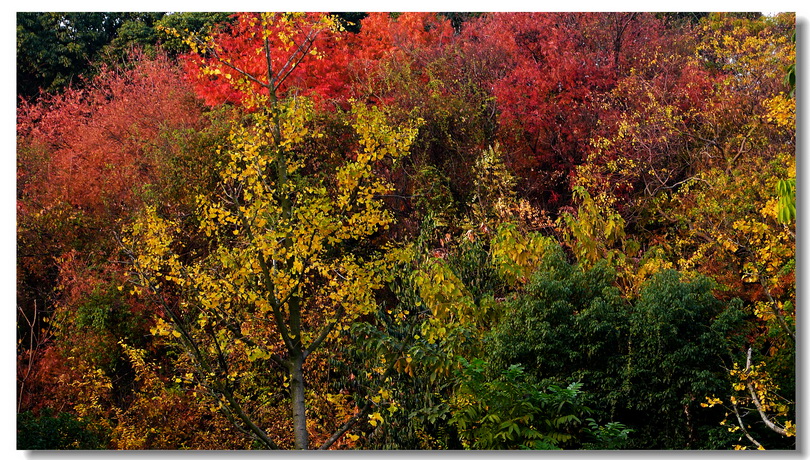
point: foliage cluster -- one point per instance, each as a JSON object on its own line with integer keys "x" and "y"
{"x": 406, "y": 231}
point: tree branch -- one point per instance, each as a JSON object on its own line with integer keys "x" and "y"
{"x": 301, "y": 52}
{"x": 327, "y": 328}
{"x": 246, "y": 420}
{"x": 757, "y": 403}
{"x": 742, "y": 426}
{"x": 357, "y": 417}
{"x": 777, "y": 312}
{"x": 345, "y": 427}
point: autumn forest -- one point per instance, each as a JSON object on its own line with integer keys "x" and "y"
{"x": 406, "y": 231}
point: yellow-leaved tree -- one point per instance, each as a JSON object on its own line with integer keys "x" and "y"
{"x": 280, "y": 259}
{"x": 737, "y": 215}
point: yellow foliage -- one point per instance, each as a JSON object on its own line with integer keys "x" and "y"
{"x": 595, "y": 229}
{"x": 711, "y": 402}
{"x": 516, "y": 255}
{"x": 375, "y": 418}
{"x": 275, "y": 261}
{"x": 781, "y": 110}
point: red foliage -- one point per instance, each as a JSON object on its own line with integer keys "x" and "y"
{"x": 553, "y": 69}
{"x": 382, "y": 36}
{"x": 242, "y": 46}
{"x": 99, "y": 142}
{"x": 343, "y": 60}
{"x": 545, "y": 94}
{"x": 83, "y": 159}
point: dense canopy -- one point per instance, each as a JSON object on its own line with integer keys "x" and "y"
{"x": 406, "y": 231}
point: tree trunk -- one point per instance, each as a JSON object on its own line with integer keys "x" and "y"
{"x": 298, "y": 400}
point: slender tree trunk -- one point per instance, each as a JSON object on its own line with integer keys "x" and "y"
{"x": 617, "y": 39}
{"x": 298, "y": 400}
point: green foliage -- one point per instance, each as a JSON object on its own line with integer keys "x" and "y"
{"x": 680, "y": 343}
{"x": 56, "y": 432}
{"x": 416, "y": 412}
{"x": 786, "y": 207}
{"x": 569, "y": 324}
{"x": 54, "y": 49}
{"x": 649, "y": 361}
{"x": 790, "y": 76}
{"x": 473, "y": 264}
{"x": 433, "y": 195}
{"x": 423, "y": 331}
{"x": 508, "y": 411}
{"x": 610, "y": 436}
{"x": 188, "y": 21}
{"x": 282, "y": 293}
{"x": 103, "y": 309}
{"x": 134, "y": 32}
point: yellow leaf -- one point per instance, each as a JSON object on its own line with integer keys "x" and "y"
{"x": 374, "y": 418}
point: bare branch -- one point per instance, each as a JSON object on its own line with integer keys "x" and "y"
{"x": 345, "y": 427}
{"x": 301, "y": 52}
{"x": 742, "y": 426}
{"x": 757, "y": 403}
{"x": 325, "y": 330}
